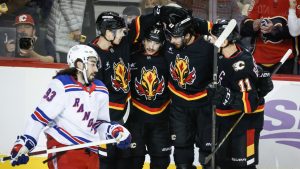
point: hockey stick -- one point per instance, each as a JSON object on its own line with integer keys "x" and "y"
{"x": 210, "y": 156}
{"x": 126, "y": 115}
{"x": 66, "y": 148}
{"x": 229, "y": 28}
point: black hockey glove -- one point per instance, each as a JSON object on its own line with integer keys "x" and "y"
{"x": 164, "y": 12}
{"x": 264, "y": 83}
{"x": 219, "y": 95}
{"x": 201, "y": 26}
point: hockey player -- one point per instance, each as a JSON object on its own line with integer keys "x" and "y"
{"x": 149, "y": 113}
{"x": 113, "y": 47}
{"x": 237, "y": 92}
{"x": 190, "y": 63}
{"x": 75, "y": 108}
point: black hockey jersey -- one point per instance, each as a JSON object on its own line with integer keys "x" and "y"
{"x": 191, "y": 69}
{"x": 239, "y": 73}
{"x": 149, "y": 80}
{"x": 115, "y": 70}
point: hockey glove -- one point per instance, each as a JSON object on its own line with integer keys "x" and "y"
{"x": 120, "y": 134}
{"x": 22, "y": 146}
{"x": 201, "y": 26}
{"x": 164, "y": 12}
{"x": 219, "y": 95}
{"x": 264, "y": 83}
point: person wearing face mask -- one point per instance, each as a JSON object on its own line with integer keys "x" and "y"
{"x": 75, "y": 110}
{"x": 149, "y": 113}
{"x": 27, "y": 44}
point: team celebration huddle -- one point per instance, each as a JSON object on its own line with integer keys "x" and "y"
{"x": 161, "y": 84}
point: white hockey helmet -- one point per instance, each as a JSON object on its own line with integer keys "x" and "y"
{"x": 82, "y": 53}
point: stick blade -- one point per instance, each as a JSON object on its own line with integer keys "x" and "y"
{"x": 229, "y": 28}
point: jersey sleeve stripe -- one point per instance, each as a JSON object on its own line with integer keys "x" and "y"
{"x": 246, "y": 102}
{"x": 34, "y": 117}
{"x": 41, "y": 117}
{"x": 43, "y": 114}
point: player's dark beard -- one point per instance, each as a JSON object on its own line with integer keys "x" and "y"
{"x": 91, "y": 78}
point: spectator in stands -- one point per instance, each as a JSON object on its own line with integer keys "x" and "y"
{"x": 28, "y": 45}
{"x": 294, "y": 24}
{"x": 17, "y": 7}
{"x": 66, "y": 22}
{"x": 267, "y": 23}
{"x": 131, "y": 12}
{"x": 244, "y": 6}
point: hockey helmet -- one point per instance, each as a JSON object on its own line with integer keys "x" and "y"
{"x": 219, "y": 27}
{"x": 110, "y": 21}
{"x": 155, "y": 33}
{"x": 81, "y": 53}
{"x": 178, "y": 23}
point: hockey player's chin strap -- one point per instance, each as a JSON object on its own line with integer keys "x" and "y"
{"x": 84, "y": 73}
{"x": 111, "y": 41}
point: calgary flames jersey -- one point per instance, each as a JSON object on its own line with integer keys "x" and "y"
{"x": 270, "y": 47}
{"x": 115, "y": 70}
{"x": 149, "y": 82}
{"x": 74, "y": 114}
{"x": 239, "y": 73}
{"x": 191, "y": 70}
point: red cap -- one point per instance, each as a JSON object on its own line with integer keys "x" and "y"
{"x": 25, "y": 19}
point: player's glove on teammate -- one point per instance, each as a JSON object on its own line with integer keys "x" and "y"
{"x": 22, "y": 146}
{"x": 219, "y": 95}
{"x": 121, "y": 134}
{"x": 264, "y": 83}
{"x": 164, "y": 12}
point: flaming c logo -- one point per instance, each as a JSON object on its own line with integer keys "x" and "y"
{"x": 181, "y": 73}
{"x": 121, "y": 78}
{"x": 149, "y": 85}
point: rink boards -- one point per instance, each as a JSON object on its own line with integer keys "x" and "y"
{"x": 22, "y": 87}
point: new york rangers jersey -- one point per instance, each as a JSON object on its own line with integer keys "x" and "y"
{"x": 73, "y": 113}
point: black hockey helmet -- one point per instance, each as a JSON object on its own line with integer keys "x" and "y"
{"x": 109, "y": 21}
{"x": 219, "y": 27}
{"x": 178, "y": 23}
{"x": 155, "y": 33}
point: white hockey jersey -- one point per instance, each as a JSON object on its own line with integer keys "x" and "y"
{"x": 75, "y": 114}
